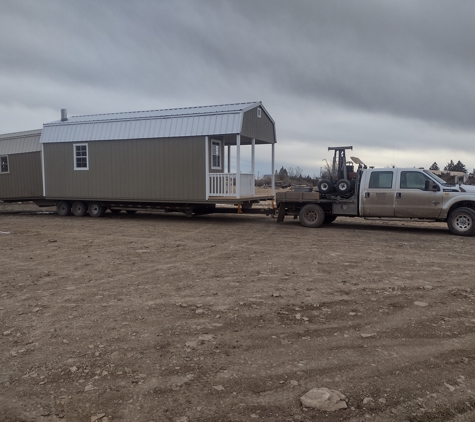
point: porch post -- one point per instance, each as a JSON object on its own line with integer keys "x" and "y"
{"x": 273, "y": 169}
{"x": 207, "y": 166}
{"x": 253, "y": 160}
{"x": 229, "y": 158}
{"x": 238, "y": 166}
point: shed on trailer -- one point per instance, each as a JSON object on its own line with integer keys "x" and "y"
{"x": 178, "y": 155}
{"x": 20, "y": 166}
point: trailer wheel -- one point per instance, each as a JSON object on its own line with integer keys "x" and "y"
{"x": 311, "y": 215}
{"x": 96, "y": 209}
{"x": 461, "y": 221}
{"x": 63, "y": 208}
{"x": 343, "y": 186}
{"x": 329, "y": 219}
{"x": 79, "y": 208}
{"x": 325, "y": 186}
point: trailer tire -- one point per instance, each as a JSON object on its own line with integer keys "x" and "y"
{"x": 461, "y": 221}
{"x": 79, "y": 209}
{"x": 343, "y": 186}
{"x": 325, "y": 186}
{"x": 311, "y": 215}
{"x": 63, "y": 208}
{"x": 329, "y": 219}
{"x": 96, "y": 209}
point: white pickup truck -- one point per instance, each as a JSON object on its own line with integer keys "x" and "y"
{"x": 387, "y": 193}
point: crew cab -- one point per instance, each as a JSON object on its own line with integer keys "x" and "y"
{"x": 388, "y": 193}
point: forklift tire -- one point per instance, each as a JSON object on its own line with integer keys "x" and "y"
{"x": 311, "y": 215}
{"x": 343, "y": 186}
{"x": 325, "y": 186}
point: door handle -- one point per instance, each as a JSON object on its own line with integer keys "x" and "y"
{"x": 366, "y": 194}
{"x": 398, "y": 195}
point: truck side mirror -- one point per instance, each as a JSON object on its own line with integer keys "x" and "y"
{"x": 430, "y": 185}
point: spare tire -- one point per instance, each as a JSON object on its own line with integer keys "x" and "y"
{"x": 325, "y": 186}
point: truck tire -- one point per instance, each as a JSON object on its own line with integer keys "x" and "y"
{"x": 343, "y": 186}
{"x": 325, "y": 186}
{"x": 96, "y": 209}
{"x": 311, "y": 215}
{"x": 329, "y": 219}
{"x": 461, "y": 221}
{"x": 79, "y": 208}
{"x": 63, "y": 208}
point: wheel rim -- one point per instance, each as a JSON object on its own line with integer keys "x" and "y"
{"x": 324, "y": 186}
{"x": 95, "y": 209}
{"x": 342, "y": 186}
{"x": 463, "y": 222}
{"x": 311, "y": 216}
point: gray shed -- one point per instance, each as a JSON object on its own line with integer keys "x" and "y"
{"x": 20, "y": 166}
{"x": 173, "y": 155}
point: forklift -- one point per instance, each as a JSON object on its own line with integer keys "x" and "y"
{"x": 341, "y": 175}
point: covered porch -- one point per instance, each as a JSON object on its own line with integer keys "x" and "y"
{"x": 225, "y": 178}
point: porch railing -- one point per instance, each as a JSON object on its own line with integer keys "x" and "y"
{"x": 224, "y": 184}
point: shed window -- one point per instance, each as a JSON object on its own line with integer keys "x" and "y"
{"x": 258, "y": 112}
{"x": 4, "y": 164}
{"x": 216, "y": 161}
{"x": 80, "y": 157}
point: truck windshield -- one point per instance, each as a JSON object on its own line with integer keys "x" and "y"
{"x": 436, "y": 178}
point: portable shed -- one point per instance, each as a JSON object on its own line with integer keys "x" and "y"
{"x": 20, "y": 166}
{"x": 171, "y": 155}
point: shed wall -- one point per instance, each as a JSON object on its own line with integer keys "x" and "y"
{"x": 170, "y": 169}
{"x": 261, "y": 128}
{"x": 24, "y": 180}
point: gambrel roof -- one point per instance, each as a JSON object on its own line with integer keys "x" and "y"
{"x": 221, "y": 120}
{"x": 20, "y": 142}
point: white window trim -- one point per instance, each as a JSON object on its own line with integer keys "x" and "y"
{"x": 87, "y": 157}
{"x": 220, "y": 167}
{"x": 8, "y": 165}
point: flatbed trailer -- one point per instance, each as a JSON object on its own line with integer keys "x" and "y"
{"x": 96, "y": 208}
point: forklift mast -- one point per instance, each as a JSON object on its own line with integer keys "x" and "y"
{"x": 339, "y": 167}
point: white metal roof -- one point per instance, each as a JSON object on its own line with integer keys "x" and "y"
{"x": 20, "y": 142}
{"x": 168, "y": 123}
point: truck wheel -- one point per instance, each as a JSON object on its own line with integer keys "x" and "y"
{"x": 343, "y": 186}
{"x": 325, "y": 186}
{"x": 63, "y": 208}
{"x": 78, "y": 208}
{"x": 329, "y": 219}
{"x": 461, "y": 221}
{"x": 96, "y": 209}
{"x": 311, "y": 215}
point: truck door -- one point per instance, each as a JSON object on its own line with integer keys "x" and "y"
{"x": 377, "y": 197}
{"x": 411, "y": 198}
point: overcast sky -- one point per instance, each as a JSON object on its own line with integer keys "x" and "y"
{"x": 394, "y": 79}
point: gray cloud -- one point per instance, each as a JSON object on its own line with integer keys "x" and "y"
{"x": 396, "y": 65}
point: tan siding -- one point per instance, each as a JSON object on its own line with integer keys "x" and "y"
{"x": 142, "y": 170}
{"x": 260, "y": 128}
{"x": 24, "y": 181}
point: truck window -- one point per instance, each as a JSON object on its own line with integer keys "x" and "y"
{"x": 413, "y": 180}
{"x": 381, "y": 180}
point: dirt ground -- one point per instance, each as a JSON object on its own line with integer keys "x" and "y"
{"x": 160, "y": 317}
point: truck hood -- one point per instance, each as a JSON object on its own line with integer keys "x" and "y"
{"x": 467, "y": 188}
